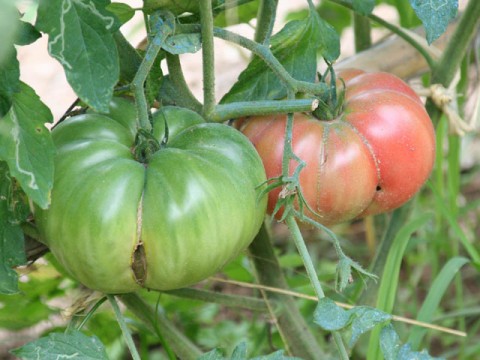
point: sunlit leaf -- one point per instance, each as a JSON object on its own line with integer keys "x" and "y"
{"x": 63, "y": 346}
{"x": 26, "y": 144}
{"x": 435, "y": 15}
{"x": 79, "y": 37}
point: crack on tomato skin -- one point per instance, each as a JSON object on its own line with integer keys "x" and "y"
{"x": 323, "y": 160}
{"x": 139, "y": 260}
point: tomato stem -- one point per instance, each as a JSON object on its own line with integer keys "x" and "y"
{"x": 312, "y": 274}
{"x": 208, "y": 57}
{"x": 235, "y": 110}
{"x": 123, "y": 325}
{"x": 266, "y": 14}
{"x": 161, "y": 29}
{"x": 266, "y": 55}
{"x": 170, "y": 336}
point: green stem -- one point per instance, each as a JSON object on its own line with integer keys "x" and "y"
{"x": 208, "y": 57}
{"x": 291, "y": 324}
{"x": 245, "y": 302}
{"x": 178, "y": 80}
{"x": 312, "y": 274}
{"x": 236, "y": 110}
{"x": 267, "y": 11}
{"x": 123, "y": 325}
{"x": 138, "y": 82}
{"x": 264, "y": 53}
{"x": 307, "y": 260}
{"x": 180, "y": 344}
{"x": 396, "y": 30}
{"x": 457, "y": 47}
{"x": 362, "y": 30}
{"x": 91, "y": 312}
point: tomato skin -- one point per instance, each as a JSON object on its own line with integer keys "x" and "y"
{"x": 117, "y": 225}
{"x": 371, "y": 159}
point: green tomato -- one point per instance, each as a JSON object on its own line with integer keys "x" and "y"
{"x": 117, "y": 225}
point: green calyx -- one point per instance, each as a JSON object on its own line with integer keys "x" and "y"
{"x": 145, "y": 146}
{"x": 331, "y": 103}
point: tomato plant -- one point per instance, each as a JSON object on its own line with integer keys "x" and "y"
{"x": 143, "y": 190}
{"x": 371, "y": 158}
{"x": 117, "y": 224}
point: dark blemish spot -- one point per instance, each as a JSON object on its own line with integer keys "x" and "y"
{"x": 378, "y": 188}
{"x": 139, "y": 264}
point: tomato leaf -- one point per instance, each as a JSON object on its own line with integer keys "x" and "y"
{"x": 238, "y": 15}
{"x": 292, "y": 46}
{"x": 8, "y": 27}
{"x": 435, "y": 15}
{"x": 12, "y": 252}
{"x": 33, "y": 298}
{"x": 392, "y": 349}
{"x": 183, "y": 43}
{"x": 123, "y": 12}
{"x": 9, "y": 81}
{"x": 240, "y": 353}
{"x": 27, "y": 34}
{"x": 59, "y": 345}
{"x": 330, "y": 316}
{"x": 27, "y": 146}
{"x": 79, "y": 37}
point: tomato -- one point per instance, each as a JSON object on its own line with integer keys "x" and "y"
{"x": 372, "y": 158}
{"x": 117, "y": 224}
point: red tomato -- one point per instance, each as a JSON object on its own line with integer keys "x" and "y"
{"x": 370, "y": 159}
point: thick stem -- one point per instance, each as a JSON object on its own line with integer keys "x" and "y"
{"x": 361, "y": 27}
{"x": 456, "y": 49}
{"x": 303, "y": 251}
{"x": 180, "y": 344}
{"x": 138, "y": 82}
{"x": 258, "y": 108}
{"x": 265, "y": 20}
{"x": 178, "y": 80}
{"x": 208, "y": 57}
{"x": 123, "y": 326}
{"x": 290, "y": 322}
{"x": 312, "y": 274}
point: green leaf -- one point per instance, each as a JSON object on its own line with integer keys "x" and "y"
{"x": 339, "y": 16}
{"x": 183, "y": 43}
{"x": 27, "y": 34}
{"x": 8, "y": 27}
{"x": 295, "y": 47}
{"x": 240, "y": 352}
{"x": 435, "y": 15}
{"x": 62, "y": 346}
{"x": 389, "y": 280}
{"x": 329, "y": 316}
{"x": 79, "y": 37}
{"x": 123, "y": 12}
{"x": 26, "y": 144}
{"x": 237, "y": 15}
{"x": 12, "y": 251}
{"x": 32, "y": 298}
{"x": 215, "y": 354}
{"x": 392, "y": 349}
{"x": 9, "y": 81}
{"x": 435, "y": 294}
